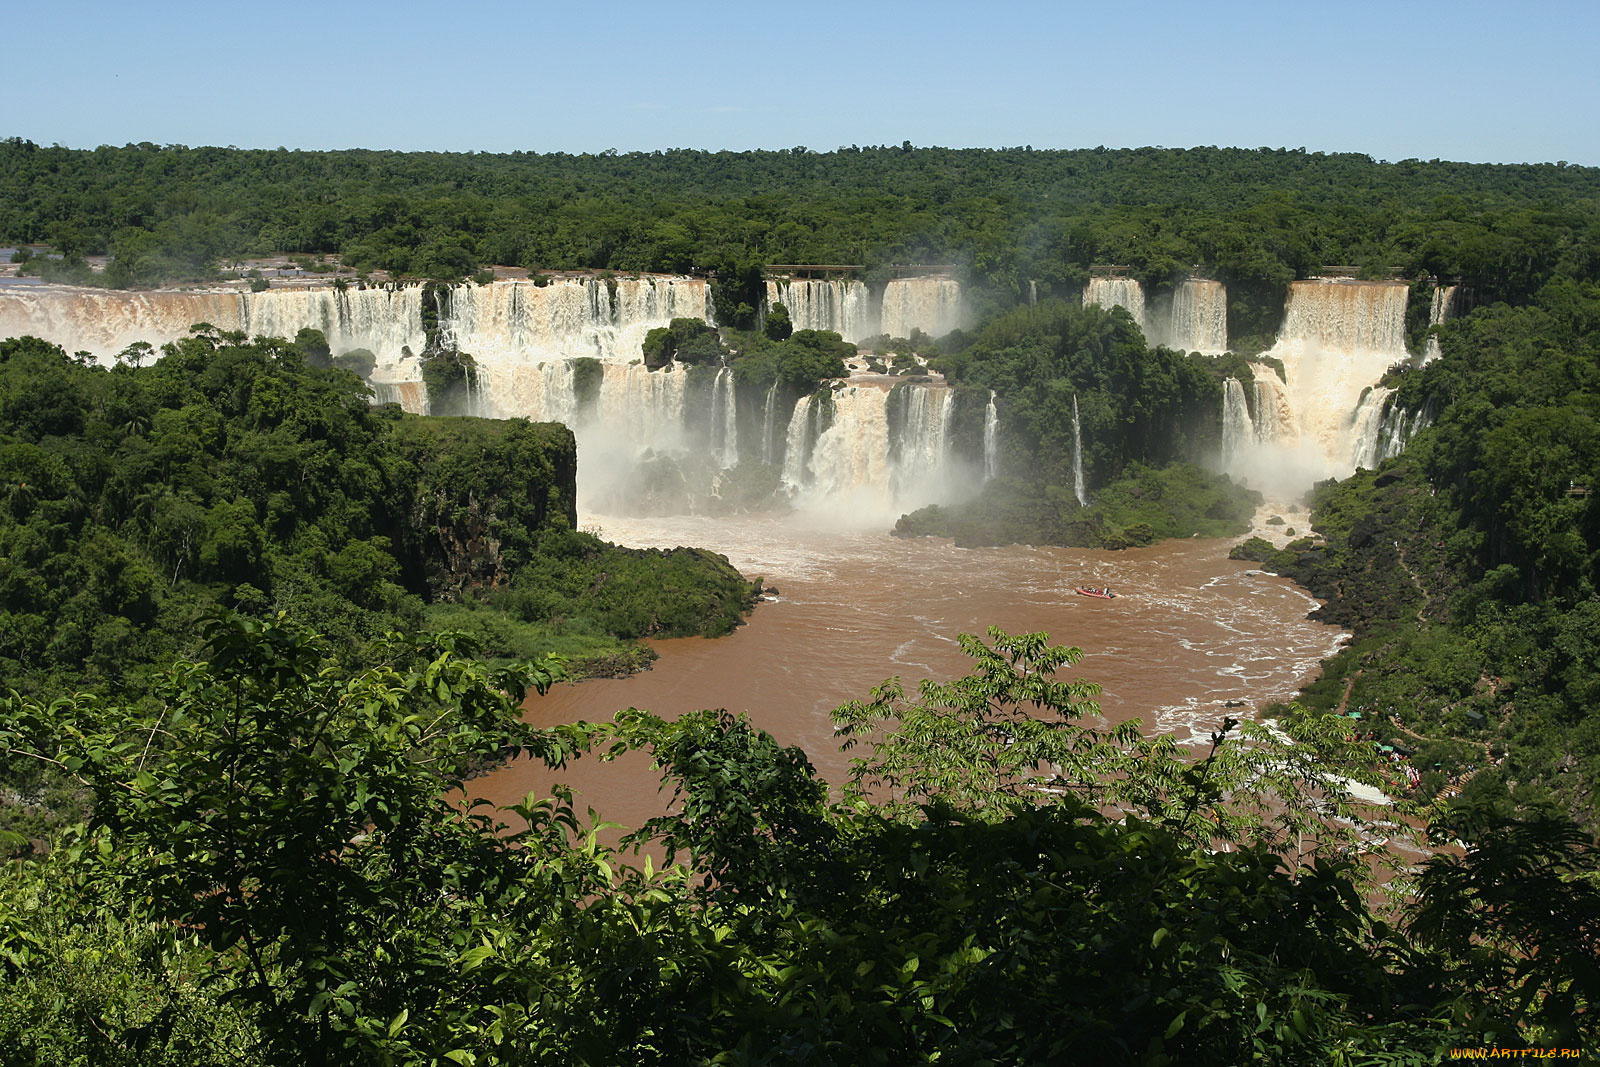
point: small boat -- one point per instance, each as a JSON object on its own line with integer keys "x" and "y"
{"x": 1103, "y": 594}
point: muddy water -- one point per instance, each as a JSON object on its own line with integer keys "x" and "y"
{"x": 1189, "y": 631}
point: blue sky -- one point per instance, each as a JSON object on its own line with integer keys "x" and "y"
{"x": 1467, "y": 81}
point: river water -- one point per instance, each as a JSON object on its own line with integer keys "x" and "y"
{"x": 1189, "y": 631}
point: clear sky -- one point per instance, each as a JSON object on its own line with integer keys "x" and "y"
{"x": 1495, "y": 82}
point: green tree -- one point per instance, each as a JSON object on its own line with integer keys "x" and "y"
{"x": 777, "y": 326}
{"x": 308, "y": 822}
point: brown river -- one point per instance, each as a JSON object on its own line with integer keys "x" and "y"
{"x": 1189, "y": 631}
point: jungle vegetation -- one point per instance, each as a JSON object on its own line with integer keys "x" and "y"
{"x": 295, "y": 879}
{"x": 236, "y": 474}
{"x": 1254, "y": 219}
{"x": 260, "y": 851}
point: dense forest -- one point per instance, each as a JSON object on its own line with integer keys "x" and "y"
{"x": 1255, "y": 219}
{"x": 1468, "y": 567}
{"x": 234, "y": 474}
{"x": 1088, "y": 406}
{"x": 231, "y": 727}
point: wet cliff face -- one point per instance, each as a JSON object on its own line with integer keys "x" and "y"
{"x": 484, "y": 493}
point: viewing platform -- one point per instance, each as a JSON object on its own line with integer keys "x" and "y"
{"x": 898, "y": 270}
{"x": 812, "y": 268}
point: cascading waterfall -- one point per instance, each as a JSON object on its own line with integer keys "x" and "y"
{"x": 1441, "y": 311}
{"x": 1126, "y": 293}
{"x": 880, "y": 452}
{"x": 649, "y": 403}
{"x": 798, "y": 443}
{"x": 1273, "y": 419}
{"x": 1078, "y": 488}
{"x": 103, "y": 322}
{"x": 411, "y": 396}
{"x": 543, "y": 392}
{"x": 924, "y": 436}
{"x": 850, "y": 458}
{"x": 1199, "y": 321}
{"x": 1193, "y": 319}
{"x": 1368, "y": 425}
{"x": 569, "y": 352}
{"x": 1238, "y": 430}
{"x": 843, "y": 306}
{"x": 1337, "y": 340}
{"x": 520, "y": 322}
{"x": 769, "y": 421}
{"x": 991, "y": 439}
{"x": 1383, "y": 428}
{"x": 930, "y": 304}
{"x": 724, "y": 423}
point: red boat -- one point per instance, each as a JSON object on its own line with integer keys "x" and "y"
{"x": 1103, "y": 594}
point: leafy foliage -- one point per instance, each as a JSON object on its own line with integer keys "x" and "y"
{"x": 1469, "y": 565}
{"x": 302, "y": 853}
{"x": 138, "y": 499}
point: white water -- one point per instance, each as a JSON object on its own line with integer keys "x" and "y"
{"x": 724, "y": 424}
{"x": 1337, "y": 339}
{"x": 1441, "y": 311}
{"x": 843, "y": 306}
{"x": 930, "y": 304}
{"x": 769, "y": 422}
{"x": 991, "y": 439}
{"x": 1274, "y": 422}
{"x": 1078, "y": 488}
{"x": 1193, "y": 319}
{"x": 1365, "y": 434}
{"x": 1125, "y": 293}
{"x": 1238, "y": 431}
{"x": 1199, "y": 320}
{"x": 797, "y": 447}
{"x": 1383, "y": 429}
{"x": 847, "y": 474}
{"x": 104, "y": 322}
{"x": 519, "y": 323}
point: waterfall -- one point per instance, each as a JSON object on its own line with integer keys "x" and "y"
{"x": 1383, "y": 428}
{"x": 850, "y": 458}
{"x": 1078, "y": 489}
{"x": 924, "y": 436}
{"x": 845, "y": 307}
{"x": 411, "y": 396}
{"x": 991, "y": 439}
{"x": 1366, "y": 431}
{"x": 1338, "y": 338}
{"x": 1238, "y": 432}
{"x": 1125, "y": 293}
{"x": 1441, "y": 311}
{"x": 1274, "y": 422}
{"x": 1199, "y": 321}
{"x": 930, "y": 304}
{"x": 538, "y": 349}
{"x": 521, "y": 322}
{"x": 867, "y": 451}
{"x": 542, "y": 392}
{"x": 104, "y": 322}
{"x": 1346, "y": 316}
{"x": 724, "y": 425}
{"x": 769, "y": 420}
{"x": 642, "y": 406}
{"x": 798, "y": 443}
{"x": 1033, "y": 292}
